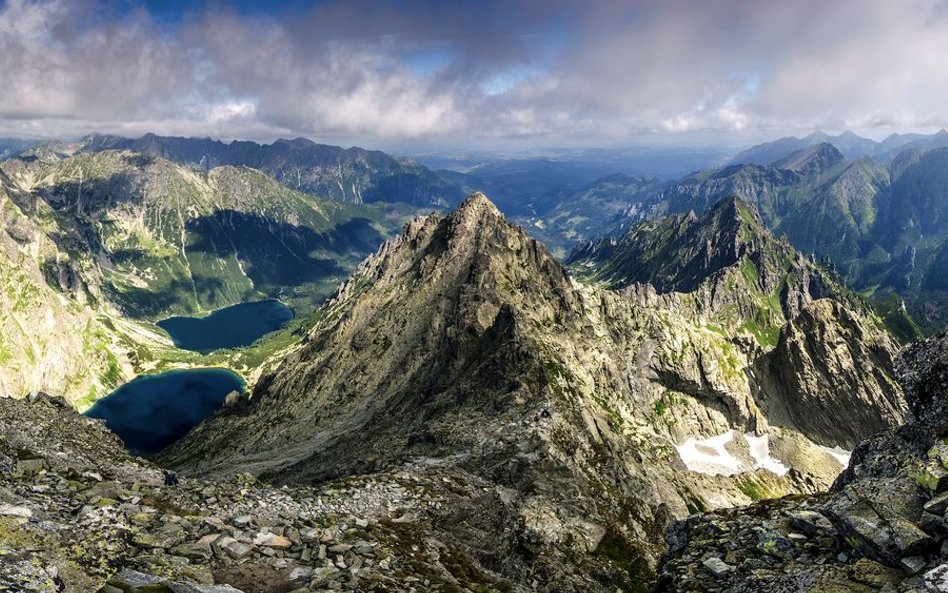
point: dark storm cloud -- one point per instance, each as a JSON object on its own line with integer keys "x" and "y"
{"x": 414, "y": 71}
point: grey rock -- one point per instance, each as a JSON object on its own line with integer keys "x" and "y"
{"x": 717, "y": 566}
{"x": 132, "y": 581}
{"x": 237, "y": 550}
{"x": 769, "y": 541}
{"x": 301, "y": 573}
{"x": 178, "y": 587}
{"x": 810, "y": 522}
{"x": 15, "y": 511}
{"x": 936, "y": 579}
{"x": 937, "y": 505}
{"x": 912, "y": 564}
{"x": 931, "y": 523}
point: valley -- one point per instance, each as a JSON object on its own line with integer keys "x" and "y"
{"x": 411, "y": 372}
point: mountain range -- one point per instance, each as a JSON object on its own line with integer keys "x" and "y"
{"x": 169, "y": 240}
{"x": 351, "y": 175}
{"x": 455, "y": 407}
{"x": 107, "y": 242}
{"x": 848, "y": 143}
{"x": 881, "y": 227}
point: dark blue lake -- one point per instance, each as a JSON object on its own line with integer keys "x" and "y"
{"x": 231, "y": 327}
{"x": 152, "y": 411}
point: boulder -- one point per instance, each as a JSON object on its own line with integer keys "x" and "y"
{"x": 272, "y": 540}
{"x": 876, "y": 534}
{"x": 936, "y": 579}
{"x": 717, "y": 567}
{"x": 132, "y": 581}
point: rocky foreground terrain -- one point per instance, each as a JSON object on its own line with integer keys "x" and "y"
{"x": 78, "y": 514}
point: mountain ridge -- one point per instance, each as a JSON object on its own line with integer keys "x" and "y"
{"x": 463, "y": 344}
{"x": 351, "y": 174}
{"x": 170, "y": 240}
{"x": 880, "y": 225}
{"x": 849, "y": 143}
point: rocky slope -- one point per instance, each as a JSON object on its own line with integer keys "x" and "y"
{"x": 79, "y": 515}
{"x": 56, "y": 330}
{"x": 880, "y": 528}
{"x": 750, "y": 281}
{"x": 351, "y": 175}
{"x": 168, "y": 240}
{"x": 463, "y": 346}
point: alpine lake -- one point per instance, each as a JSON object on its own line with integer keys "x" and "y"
{"x": 153, "y": 411}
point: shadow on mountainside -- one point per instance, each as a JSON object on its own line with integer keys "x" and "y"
{"x": 279, "y": 254}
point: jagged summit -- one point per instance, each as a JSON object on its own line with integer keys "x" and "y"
{"x": 476, "y": 209}
{"x": 463, "y": 345}
{"x": 812, "y": 159}
{"x": 677, "y": 253}
{"x": 477, "y": 203}
{"x": 432, "y": 295}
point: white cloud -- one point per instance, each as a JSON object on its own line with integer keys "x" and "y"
{"x": 554, "y": 71}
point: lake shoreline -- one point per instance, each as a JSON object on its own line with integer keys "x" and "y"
{"x": 235, "y": 326}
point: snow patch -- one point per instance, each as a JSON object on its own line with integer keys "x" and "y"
{"x": 760, "y": 451}
{"x": 708, "y": 456}
{"x": 839, "y": 454}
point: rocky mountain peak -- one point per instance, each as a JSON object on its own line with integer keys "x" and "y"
{"x": 476, "y": 204}
{"x": 812, "y": 159}
{"x": 677, "y": 253}
{"x": 733, "y": 217}
{"x": 475, "y": 214}
{"x": 543, "y": 422}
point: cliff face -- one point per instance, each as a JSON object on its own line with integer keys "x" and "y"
{"x": 54, "y": 332}
{"x": 881, "y": 527}
{"x": 835, "y": 375}
{"x": 463, "y": 346}
{"x": 822, "y": 349}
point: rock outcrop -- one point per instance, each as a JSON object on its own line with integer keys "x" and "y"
{"x": 829, "y": 390}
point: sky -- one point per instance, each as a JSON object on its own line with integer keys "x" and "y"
{"x": 420, "y": 74}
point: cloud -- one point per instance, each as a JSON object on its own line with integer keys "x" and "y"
{"x": 420, "y": 71}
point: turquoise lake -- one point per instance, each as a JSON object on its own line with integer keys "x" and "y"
{"x": 231, "y": 327}
{"x": 152, "y": 411}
